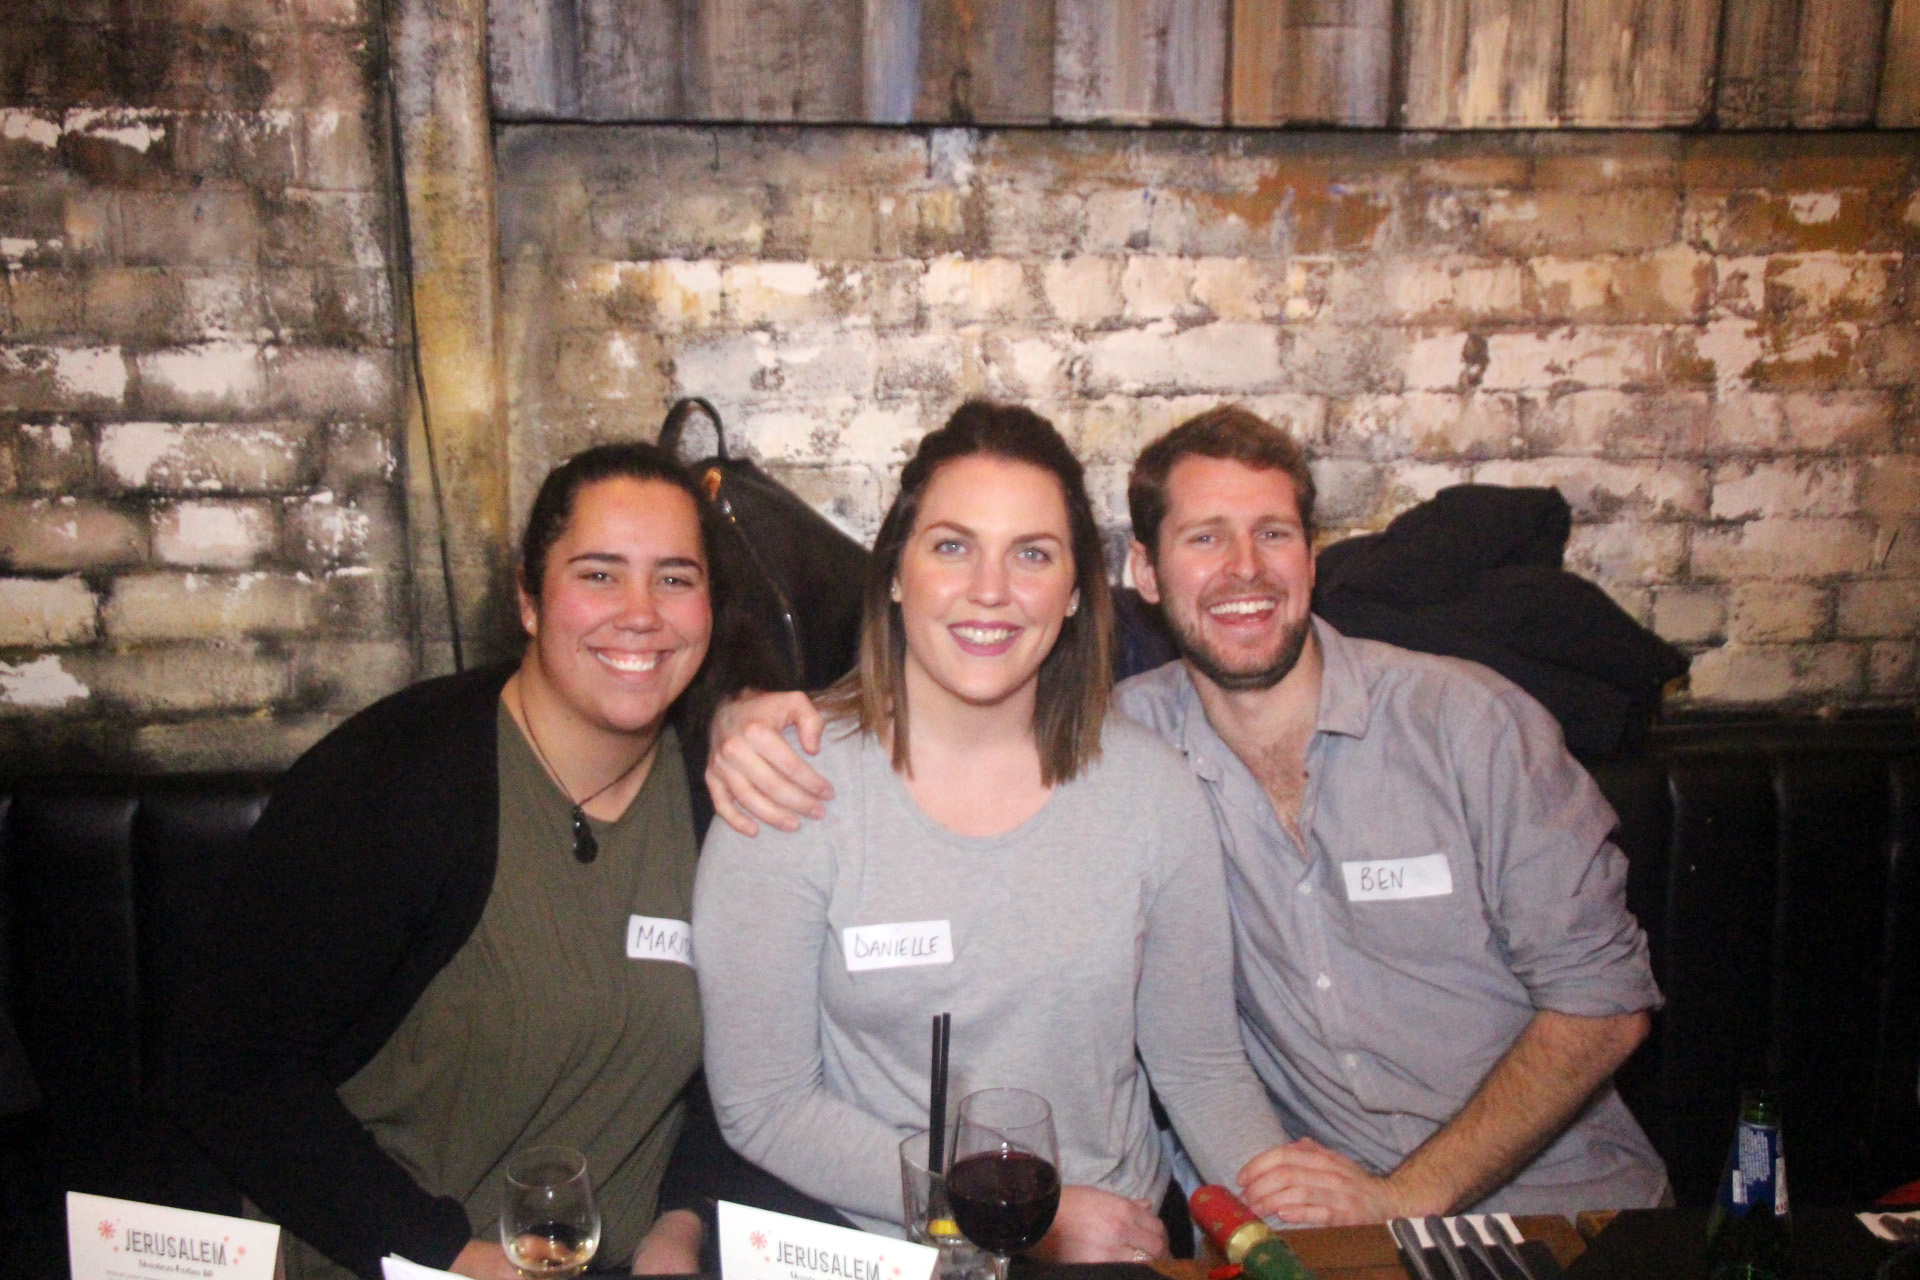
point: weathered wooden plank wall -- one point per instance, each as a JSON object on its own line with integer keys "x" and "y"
{"x": 1311, "y": 62}
{"x": 1482, "y": 64}
{"x": 1899, "y": 106}
{"x": 1140, "y": 61}
{"x": 1809, "y": 64}
{"x": 1418, "y": 64}
{"x": 1639, "y": 63}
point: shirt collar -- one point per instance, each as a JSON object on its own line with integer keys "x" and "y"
{"x": 1345, "y": 703}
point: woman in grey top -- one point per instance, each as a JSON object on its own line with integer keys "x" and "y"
{"x": 1001, "y": 848}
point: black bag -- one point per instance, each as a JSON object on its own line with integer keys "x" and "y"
{"x": 805, "y": 575}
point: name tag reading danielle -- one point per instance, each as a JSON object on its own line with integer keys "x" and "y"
{"x": 897, "y": 946}
{"x": 657, "y": 938}
{"x": 1395, "y": 878}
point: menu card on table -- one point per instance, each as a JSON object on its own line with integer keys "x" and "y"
{"x": 125, "y": 1240}
{"x": 757, "y": 1245}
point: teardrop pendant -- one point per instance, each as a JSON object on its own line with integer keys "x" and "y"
{"x": 585, "y": 847}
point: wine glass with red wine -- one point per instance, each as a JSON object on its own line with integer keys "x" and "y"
{"x": 549, "y": 1222}
{"x": 1004, "y": 1182}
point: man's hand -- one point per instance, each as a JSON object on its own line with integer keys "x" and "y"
{"x": 484, "y": 1260}
{"x": 672, "y": 1248}
{"x": 753, "y": 773}
{"x": 1305, "y": 1182}
{"x": 1099, "y": 1226}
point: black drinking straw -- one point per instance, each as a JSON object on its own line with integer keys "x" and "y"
{"x": 937, "y": 1109}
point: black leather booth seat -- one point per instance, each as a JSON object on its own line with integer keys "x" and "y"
{"x": 1776, "y": 867}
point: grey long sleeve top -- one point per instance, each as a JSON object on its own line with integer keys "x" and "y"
{"x": 1098, "y": 925}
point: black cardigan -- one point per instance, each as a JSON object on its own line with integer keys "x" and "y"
{"x": 368, "y": 871}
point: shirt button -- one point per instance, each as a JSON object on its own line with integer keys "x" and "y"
{"x": 1323, "y": 982}
{"x": 1304, "y": 887}
{"x": 1349, "y": 1061}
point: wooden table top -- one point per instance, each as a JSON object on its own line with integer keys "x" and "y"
{"x": 1367, "y": 1253}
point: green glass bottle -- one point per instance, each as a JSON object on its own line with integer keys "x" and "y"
{"x": 1750, "y": 1231}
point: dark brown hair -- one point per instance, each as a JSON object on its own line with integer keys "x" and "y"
{"x": 739, "y": 655}
{"x": 1230, "y": 432}
{"x": 1070, "y": 704}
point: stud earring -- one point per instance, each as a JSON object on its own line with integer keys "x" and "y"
{"x": 893, "y": 592}
{"x": 1073, "y": 605}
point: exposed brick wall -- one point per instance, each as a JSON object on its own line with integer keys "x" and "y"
{"x": 1707, "y": 343}
{"x": 201, "y": 520}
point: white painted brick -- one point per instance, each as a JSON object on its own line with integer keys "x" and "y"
{"x": 328, "y": 382}
{"x": 211, "y": 377}
{"x": 811, "y": 433}
{"x": 1155, "y": 288}
{"x": 1117, "y": 220}
{"x": 41, "y": 684}
{"x": 1108, "y": 428}
{"x": 1731, "y": 347}
{"x": 1814, "y": 422}
{"x": 1349, "y": 491}
{"x": 62, "y": 534}
{"x": 1782, "y": 549}
{"x": 847, "y": 495}
{"x": 1430, "y": 288}
{"x": 1742, "y": 490}
{"x": 170, "y": 679}
{"x": 1877, "y": 608}
{"x": 39, "y": 379}
{"x": 1083, "y": 290}
{"x": 1027, "y": 366}
{"x": 214, "y": 535}
{"x": 1690, "y": 615}
{"x": 1599, "y": 490}
{"x": 1595, "y": 356}
{"x": 1744, "y": 674}
{"x": 1436, "y": 362}
{"x": 775, "y": 292}
{"x": 1761, "y": 612}
{"x": 322, "y": 533}
{"x": 726, "y": 368}
{"x": 1445, "y": 424}
{"x": 1621, "y": 424}
{"x": 1892, "y": 486}
{"x": 1893, "y": 669}
{"x": 1233, "y": 288}
{"x": 180, "y": 456}
{"x": 43, "y": 613}
{"x": 825, "y": 361}
{"x": 882, "y": 436}
{"x": 147, "y": 607}
{"x": 938, "y": 366}
{"x": 1227, "y": 358}
{"x": 1627, "y": 551}
{"x": 967, "y": 290}
{"x": 1409, "y": 483}
{"x": 1831, "y": 284}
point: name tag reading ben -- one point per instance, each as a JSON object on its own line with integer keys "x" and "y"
{"x": 1396, "y": 878}
{"x": 897, "y": 946}
{"x": 657, "y": 938}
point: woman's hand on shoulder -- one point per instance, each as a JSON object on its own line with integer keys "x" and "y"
{"x": 752, "y": 772}
{"x": 484, "y": 1260}
{"x": 1099, "y": 1226}
{"x": 672, "y": 1248}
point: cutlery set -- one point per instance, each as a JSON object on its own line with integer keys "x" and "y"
{"x": 1472, "y": 1246}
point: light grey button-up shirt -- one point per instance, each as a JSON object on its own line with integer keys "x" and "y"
{"x": 1457, "y": 877}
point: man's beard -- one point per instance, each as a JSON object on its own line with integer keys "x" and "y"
{"x": 1293, "y": 642}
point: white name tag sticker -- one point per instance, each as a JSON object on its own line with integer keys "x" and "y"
{"x": 758, "y": 1245}
{"x": 125, "y": 1240}
{"x": 1396, "y": 878}
{"x": 897, "y": 946}
{"x": 658, "y": 938}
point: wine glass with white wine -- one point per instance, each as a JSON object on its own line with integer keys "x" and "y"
{"x": 549, "y": 1222}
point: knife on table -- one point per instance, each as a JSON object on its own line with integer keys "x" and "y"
{"x": 1508, "y": 1236}
{"x": 1474, "y": 1236}
{"x": 1449, "y": 1251}
{"x": 1401, "y": 1229}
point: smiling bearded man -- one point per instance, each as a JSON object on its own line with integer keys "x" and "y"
{"x": 1436, "y": 972}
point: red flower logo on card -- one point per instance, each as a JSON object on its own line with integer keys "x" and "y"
{"x": 758, "y": 1239}
{"x": 107, "y": 1229}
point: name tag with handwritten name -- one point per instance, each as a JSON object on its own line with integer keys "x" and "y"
{"x": 1396, "y": 878}
{"x": 897, "y": 946}
{"x": 658, "y": 938}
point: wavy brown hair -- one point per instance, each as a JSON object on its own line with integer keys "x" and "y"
{"x": 1070, "y": 704}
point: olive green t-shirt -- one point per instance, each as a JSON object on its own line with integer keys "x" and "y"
{"x": 541, "y": 1029}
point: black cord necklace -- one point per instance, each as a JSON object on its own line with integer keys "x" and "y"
{"x": 585, "y": 847}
